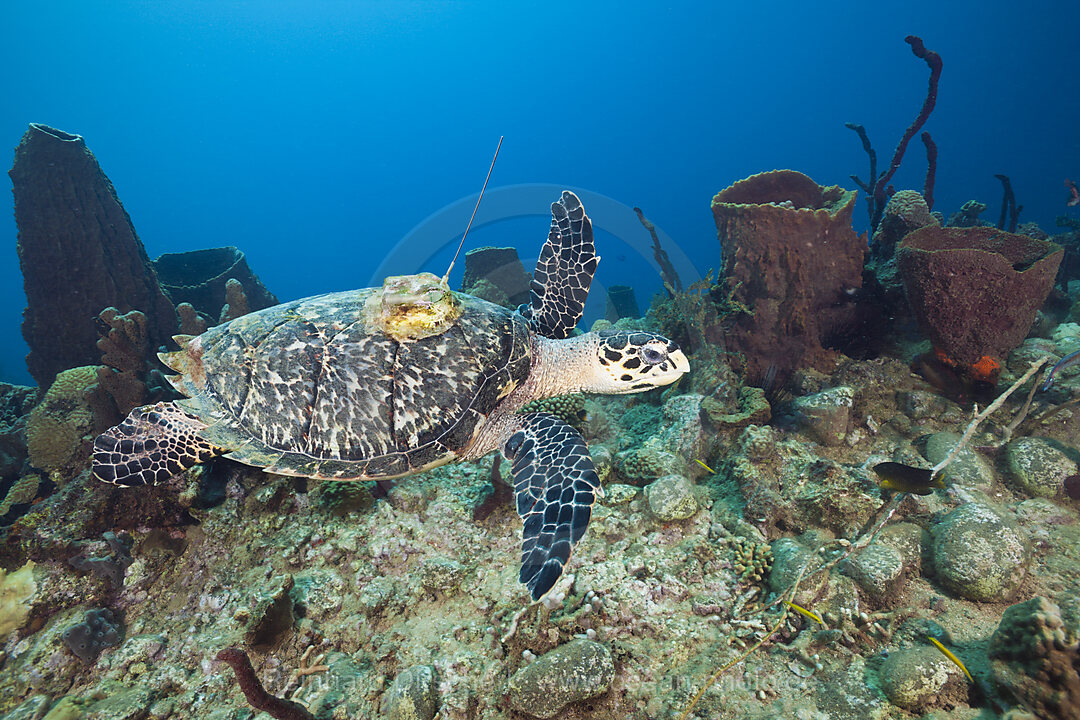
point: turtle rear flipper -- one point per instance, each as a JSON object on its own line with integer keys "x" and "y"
{"x": 563, "y": 272}
{"x": 555, "y": 485}
{"x": 152, "y": 444}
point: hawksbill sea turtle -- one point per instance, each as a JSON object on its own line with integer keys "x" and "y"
{"x": 383, "y": 382}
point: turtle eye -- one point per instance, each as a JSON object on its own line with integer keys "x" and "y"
{"x": 652, "y": 356}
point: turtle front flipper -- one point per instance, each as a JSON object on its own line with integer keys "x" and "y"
{"x": 564, "y": 271}
{"x": 555, "y": 485}
{"x": 152, "y": 444}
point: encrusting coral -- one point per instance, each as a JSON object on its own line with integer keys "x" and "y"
{"x": 23, "y": 490}
{"x": 17, "y": 588}
{"x": 98, "y": 630}
{"x": 59, "y": 430}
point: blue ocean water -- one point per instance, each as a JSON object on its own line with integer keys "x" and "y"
{"x": 335, "y": 141}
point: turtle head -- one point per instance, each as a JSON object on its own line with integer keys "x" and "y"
{"x": 635, "y": 361}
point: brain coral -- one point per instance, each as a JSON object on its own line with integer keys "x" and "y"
{"x": 56, "y": 428}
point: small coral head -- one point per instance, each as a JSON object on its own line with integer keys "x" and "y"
{"x": 635, "y": 361}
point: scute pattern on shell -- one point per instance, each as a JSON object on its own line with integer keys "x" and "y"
{"x": 305, "y": 388}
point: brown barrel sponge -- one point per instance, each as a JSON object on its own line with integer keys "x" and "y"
{"x": 975, "y": 291}
{"x": 791, "y": 258}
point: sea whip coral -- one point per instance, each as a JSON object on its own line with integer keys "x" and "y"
{"x": 877, "y": 188}
{"x": 934, "y": 61}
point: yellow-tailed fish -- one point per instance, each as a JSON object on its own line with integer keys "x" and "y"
{"x": 945, "y": 651}
{"x": 905, "y": 478}
{"x": 803, "y": 611}
{"x": 705, "y": 466}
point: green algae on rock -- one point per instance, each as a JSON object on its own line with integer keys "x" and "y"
{"x": 826, "y": 416}
{"x": 671, "y": 498}
{"x": 920, "y": 678}
{"x": 979, "y": 555}
{"x": 412, "y": 695}
{"x": 968, "y": 469}
{"x": 879, "y": 571}
{"x": 576, "y": 671}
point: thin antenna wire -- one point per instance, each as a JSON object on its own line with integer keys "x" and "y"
{"x": 446, "y": 277}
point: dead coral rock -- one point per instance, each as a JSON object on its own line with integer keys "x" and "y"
{"x": 1039, "y": 466}
{"x": 752, "y": 408}
{"x": 980, "y": 555}
{"x": 412, "y": 695}
{"x": 921, "y": 678}
{"x": 788, "y": 488}
{"x": 879, "y": 571}
{"x": 576, "y": 671}
{"x": 826, "y": 416}
{"x": 1035, "y": 655}
{"x": 791, "y": 257}
{"x": 66, "y": 208}
{"x": 970, "y": 469}
{"x": 671, "y": 498}
{"x": 975, "y": 291}
{"x": 790, "y": 560}
{"x": 272, "y": 614}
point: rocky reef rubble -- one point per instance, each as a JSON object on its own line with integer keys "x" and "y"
{"x": 407, "y": 607}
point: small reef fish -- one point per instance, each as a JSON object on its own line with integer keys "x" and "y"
{"x": 1073, "y": 198}
{"x": 1070, "y": 359}
{"x": 945, "y": 651}
{"x": 803, "y": 611}
{"x": 905, "y": 478}
{"x": 705, "y": 466}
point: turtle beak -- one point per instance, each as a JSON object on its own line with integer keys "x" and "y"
{"x": 682, "y": 365}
